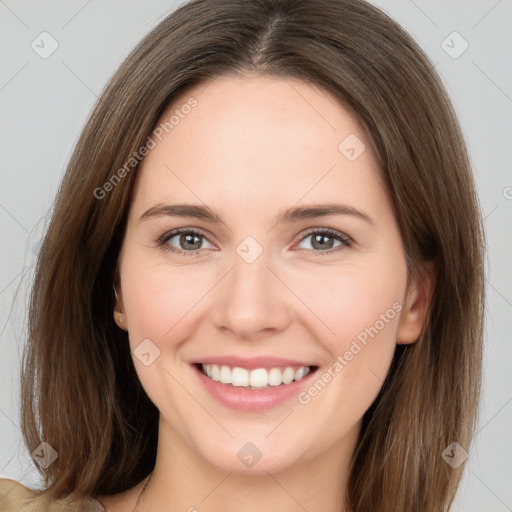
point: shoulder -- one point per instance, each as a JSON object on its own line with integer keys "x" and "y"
{"x": 15, "y": 497}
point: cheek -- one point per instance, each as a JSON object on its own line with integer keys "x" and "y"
{"x": 349, "y": 303}
{"x": 157, "y": 299}
{"x": 362, "y": 306}
{"x": 162, "y": 304}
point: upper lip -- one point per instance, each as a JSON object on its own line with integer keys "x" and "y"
{"x": 251, "y": 363}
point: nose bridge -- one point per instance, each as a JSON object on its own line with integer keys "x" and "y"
{"x": 250, "y": 278}
{"x": 250, "y": 300}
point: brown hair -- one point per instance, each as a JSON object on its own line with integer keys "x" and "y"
{"x": 80, "y": 392}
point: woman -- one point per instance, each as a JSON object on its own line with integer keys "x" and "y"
{"x": 262, "y": 285}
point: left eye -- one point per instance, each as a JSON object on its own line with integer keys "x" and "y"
{"x": 323, "y": 241}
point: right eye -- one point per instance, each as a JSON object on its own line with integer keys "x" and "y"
{"x": 184, "y": 241}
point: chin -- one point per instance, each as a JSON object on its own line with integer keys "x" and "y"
{"x": 245, "y": 457}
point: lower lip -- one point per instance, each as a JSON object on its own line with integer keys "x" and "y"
{"x": 252, "y": 400}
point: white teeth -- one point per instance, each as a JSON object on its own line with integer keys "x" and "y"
{"x": 225, "y": 374}
{"x": 258, "y": 378}
{"x": 275, "y": 377}
{"x": 301, "y": 372}
{"x": 288, "y": 375}
{"x": 215, "y": 372}
{"x": 254, "y": 379}
{"x": 239, "y": 377}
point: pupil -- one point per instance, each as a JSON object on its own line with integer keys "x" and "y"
{"x": 321, "y": 241}
{"x": 187, "y": 241}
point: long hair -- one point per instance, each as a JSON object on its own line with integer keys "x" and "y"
{"x": 80, "y": 391}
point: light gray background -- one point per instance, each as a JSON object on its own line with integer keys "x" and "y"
{"x": 44, "y": 104}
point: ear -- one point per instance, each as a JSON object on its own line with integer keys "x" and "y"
{"x": 416, "y": 305}
{"x": 119, "y": 315}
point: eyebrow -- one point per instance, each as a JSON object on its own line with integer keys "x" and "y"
{"x": 293, "y": 214}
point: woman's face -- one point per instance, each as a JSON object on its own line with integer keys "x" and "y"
{"x": 288, "y": 260}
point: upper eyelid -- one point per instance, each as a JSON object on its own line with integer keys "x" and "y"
{"x": 178, "y": 231}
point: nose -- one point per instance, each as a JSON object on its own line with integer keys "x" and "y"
{"x": 250, "y": 301}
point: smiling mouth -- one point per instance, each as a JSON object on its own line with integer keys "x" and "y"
{"x": 255, "y": 379}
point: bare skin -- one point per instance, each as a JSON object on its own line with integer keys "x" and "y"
{"x": 252, "y": 148}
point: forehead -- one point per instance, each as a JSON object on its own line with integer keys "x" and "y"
{"x": 257, "y": 139}
{"x": 243, "y": 113}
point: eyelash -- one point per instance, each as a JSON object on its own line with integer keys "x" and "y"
{"x": 336, "y": 235}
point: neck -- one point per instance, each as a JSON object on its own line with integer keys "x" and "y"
{"x": 184, "y": 481}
